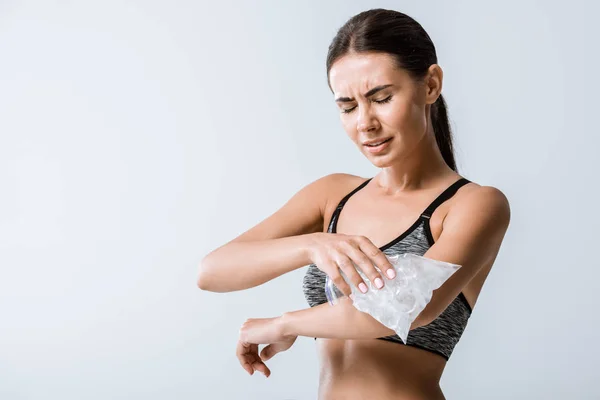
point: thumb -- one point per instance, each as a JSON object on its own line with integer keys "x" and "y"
{"x": 268, "y": 352}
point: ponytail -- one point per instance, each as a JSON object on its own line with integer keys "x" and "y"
{"x": 443, "y": 133}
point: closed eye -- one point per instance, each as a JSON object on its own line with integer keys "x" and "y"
{"x": 386, "y": 100}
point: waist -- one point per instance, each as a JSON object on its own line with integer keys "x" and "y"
{"x": 372, "y": 368}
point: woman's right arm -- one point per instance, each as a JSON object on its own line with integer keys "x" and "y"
{"x": 277, "y": 245}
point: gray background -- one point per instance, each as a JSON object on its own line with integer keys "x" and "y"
{"x": 138, "y": 136}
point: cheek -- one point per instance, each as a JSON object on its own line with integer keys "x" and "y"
{"x": 397, "y": 116}
{"x": 349, "y": 125}
{"x": 404, "y": 116}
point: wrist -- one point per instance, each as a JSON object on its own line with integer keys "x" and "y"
{"x": 308, "y": 244}
{"x": 285, "y": 322}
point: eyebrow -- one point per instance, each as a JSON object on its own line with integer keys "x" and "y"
{"x": 368, "y": 94}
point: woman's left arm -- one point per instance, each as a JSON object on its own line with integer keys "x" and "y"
{"x": 471, "y": 237}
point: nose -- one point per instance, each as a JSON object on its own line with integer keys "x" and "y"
{"x": 366, "y": 120}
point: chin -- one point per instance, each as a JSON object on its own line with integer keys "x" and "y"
{"x": 381, "y": 162}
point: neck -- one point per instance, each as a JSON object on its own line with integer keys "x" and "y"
{"x": 424, "y": 168}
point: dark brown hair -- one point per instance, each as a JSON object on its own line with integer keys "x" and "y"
{"x": 403, "y": 38}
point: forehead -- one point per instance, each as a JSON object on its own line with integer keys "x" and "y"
{"x": 362, "y": 71}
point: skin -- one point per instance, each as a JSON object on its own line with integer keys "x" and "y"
{"x": 468, "y": 230}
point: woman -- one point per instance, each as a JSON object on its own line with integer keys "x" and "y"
{"x": 382, "y": 70}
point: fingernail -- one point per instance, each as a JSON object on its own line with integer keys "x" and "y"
{"x": 378, "y": 283}
{"x": 391, "y": 273}
{"x": 362, "y": 287}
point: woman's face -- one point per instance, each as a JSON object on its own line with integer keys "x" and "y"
{"x": 378, "y": 101}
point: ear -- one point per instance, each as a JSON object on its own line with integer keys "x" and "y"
{"x": 433, "y": 82}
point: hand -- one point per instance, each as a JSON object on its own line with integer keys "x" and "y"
{"x": 247, "y": 354}
{"x": 257, "y": 331}
{"x": 332, "y": 252}
{"x": 262, "y": 330}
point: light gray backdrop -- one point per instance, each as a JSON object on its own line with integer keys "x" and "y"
{"x": 137, "y": 136}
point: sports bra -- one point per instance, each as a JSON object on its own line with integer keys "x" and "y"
{"x": 442, "y": 334}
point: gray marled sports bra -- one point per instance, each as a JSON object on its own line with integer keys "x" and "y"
{"x": 441, "y": 335}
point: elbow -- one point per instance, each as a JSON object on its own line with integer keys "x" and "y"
{"x": 208, "y": 280}
{"x": 203, "y": 278}
{"x": 202, "y": 282}
{"x": 214, "y": 275}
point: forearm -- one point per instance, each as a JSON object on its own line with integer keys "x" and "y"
{"x": 243, "y": 265}
{"x": 342, "y": 321}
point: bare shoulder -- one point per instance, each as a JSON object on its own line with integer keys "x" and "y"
{"x": 329, "y": 187}
{"x": 476, "y": 194}
{"x": 491, "y": 198}
{"x": 336, "y": 187}
{"x": 340, "y": 181}
{"x": 339, "y": 184}
{"x": 481, "y": 204}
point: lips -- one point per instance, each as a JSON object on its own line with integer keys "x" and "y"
{"x": 375, "y": 144}
{"x": 380, "y": 148}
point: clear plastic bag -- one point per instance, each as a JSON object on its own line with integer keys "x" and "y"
{"x": 402, "y": 298}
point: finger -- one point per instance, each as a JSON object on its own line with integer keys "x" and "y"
{"x": 262, "y": 367}
{"x": 341, "y": 283}
{"x": 268, "y": 352}
{"x": 337, "y": 279}
{"x": 366, "y": 265}
{"x": 242, "y": 352}
{"x": 248, "y": 367}
{"x": 255, "y": 362}
{"x": 378, "y": 258}
{"x": 349, "y": 269}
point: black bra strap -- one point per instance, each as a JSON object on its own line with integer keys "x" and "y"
{"x": 336, "y": 213}
{"x": 346, "y": 197}
{"x": 448, "y": 193}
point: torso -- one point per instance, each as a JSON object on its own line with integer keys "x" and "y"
{"x": 378, "y": 369}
